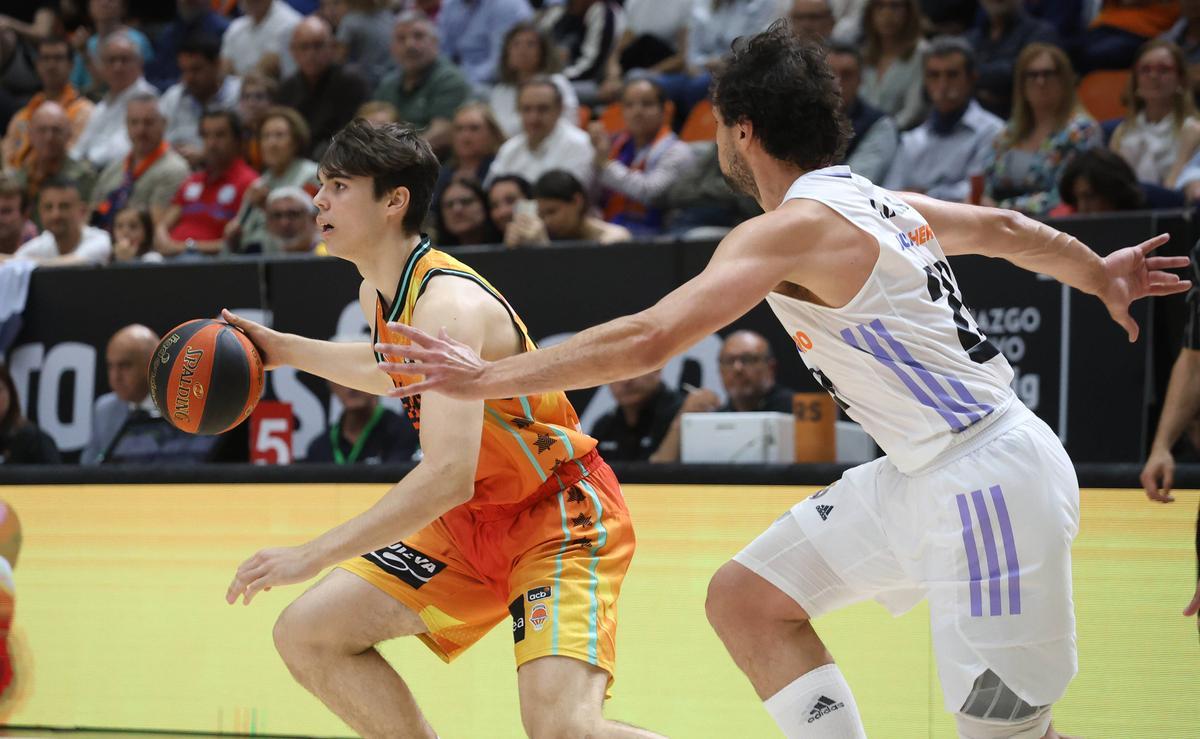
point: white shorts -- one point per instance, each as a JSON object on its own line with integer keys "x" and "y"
{"x": 984, "y": 533}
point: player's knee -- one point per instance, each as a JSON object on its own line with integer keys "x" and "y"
{"x": 993, "y": 711}
{"x": 556, "y": 722}
{"x": 732, "y": 590}
{"x": 297, "y": 633}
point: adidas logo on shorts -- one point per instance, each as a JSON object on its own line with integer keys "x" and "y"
{"x": 823, "y": 511}
{"x": 822, "y": 707}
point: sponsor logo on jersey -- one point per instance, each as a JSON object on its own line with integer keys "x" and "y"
{"x": 407, "y": 564}
{"x": 803, "y": 343}
{"x": 915, "y": 237}
{"x": 537, "y": 594}
{"x": 538, "y": 616}
{"x": 516, "y": 609}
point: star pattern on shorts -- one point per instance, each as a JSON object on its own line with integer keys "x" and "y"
{"x": 543, "y": 442}
{"x": 522, "y": 423}
{"x": 575, "y": 495}
{"x": 582, "y": 542}
{"x": 583, "y": 521}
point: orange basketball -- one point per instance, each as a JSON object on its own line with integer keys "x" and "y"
{"x": 205, "y": 376}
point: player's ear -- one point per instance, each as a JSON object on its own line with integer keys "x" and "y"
{"x": 398, "y": 200}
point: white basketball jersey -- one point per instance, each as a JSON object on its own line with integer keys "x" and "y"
{"x": 904, "y": 358}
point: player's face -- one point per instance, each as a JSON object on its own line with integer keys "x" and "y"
{"x": 348, "y": 214}
{"x": 733, "y": 165}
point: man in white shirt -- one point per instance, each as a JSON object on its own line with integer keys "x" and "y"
{"x": 127, "y": 356}
{"x": 203, "y": 86}
{"x": 265, "y": 29}
{"x": 105, "y": 139}
{"x": 546, "y": 142}
{"x": 66, "y": 239}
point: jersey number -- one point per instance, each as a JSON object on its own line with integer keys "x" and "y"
{"x": 974, "y": 343}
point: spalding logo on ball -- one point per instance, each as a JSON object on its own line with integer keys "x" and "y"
{"x": 205, "y": 376}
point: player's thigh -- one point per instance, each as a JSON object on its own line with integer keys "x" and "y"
{"x": 560, "y": 696}
{"x": 345, "y": 611}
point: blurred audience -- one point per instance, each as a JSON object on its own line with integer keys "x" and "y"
{"x": 472, "y": 31}
{"x": 259, "y": 39}
{"x": 66, "y": 239}
{"x": 193, "y": 19}
{"x": 812, "y": 19}
{"x": 378, "y": 112}
{"x": 104, "y": 139}
{"x": 1162, "y": 129}
{"x": 126, "y": 357}
{"x": 462, "y": 215}
{"x": 21, "y": 441}
{"x": 477, "y": 137}
{"x": 503, "y": 195}
{"x": 364, "y": 38}
{"x": 107, "y": 18}
{"x": 203, "y": 86}
{"x": 892, "y": 50}
{"x": 525, "y": 54}
{"x": 546, "y": 140}
{"x": 283, "y": 136}
{"x": 586, "y": 32}
{"x": 49, "y": 130}
{"x": 133, "y": 236}
{"x": 324, "y": 92}
{"x": 259, "y": 92}
{"x": 53, "y": 69}
{"x": 874, "y": 136}
{"x": 1186, "y": 35}
{"x": 1120, "y": 29}
{"x": 702, "y": 199}
{"x": 291, "y": 223}
{"x": 654, "y": 42}
{"x": 366, "y": 432}
{"x": 15, "y": 226}
{"x": 1100, "y": 181}
{"x": 563, "y": 215}
{"x": 633, "y": 431}
{"x": 1002, "y": 31}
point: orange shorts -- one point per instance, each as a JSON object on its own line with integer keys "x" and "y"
{"x": 555, "y": 567}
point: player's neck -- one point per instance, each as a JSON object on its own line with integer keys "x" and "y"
{"x": 773, "y": 180}
{"x": 383, "y": 263}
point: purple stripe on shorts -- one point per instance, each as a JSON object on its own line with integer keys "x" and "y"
{"x": 926, "y": 376}
{"x": 968, "y": 535}
{"x": 880, "y": 354}
{"x": 989, "y": 548}
{"x": 1010, "y": 551}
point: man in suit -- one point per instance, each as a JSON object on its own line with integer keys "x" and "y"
{"x": 127, "y": 356}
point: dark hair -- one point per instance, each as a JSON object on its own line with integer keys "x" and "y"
{"x": 297, "y": 127}
{"x": 783, "y": 86}
{"x": 521, "y": 183}
{"x": 235, "y": 123}
{"x": 203, "y": 45}
{"x": 54, "y": 40}
{"x": 58, "y": 182}
{"x": 147, "y": 227}
{"x": 541, "y": 80}
{"x": 491, "y": 234}
{"x": 1108, "y": 173}
{"x": 943, "y": 46}
{"x": 845, "y": 48}
{"x": 910, "y": 32}
{"x": 392, "y": 155}
{"x": 551, "y": 61}
{"x": 659, "y": 92}
{"x": 12, "y": 419}
{"x": 558, "y": 184}
{"x": 11, "y": 188}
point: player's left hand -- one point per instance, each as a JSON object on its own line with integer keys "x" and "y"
{"x": 268, "y": 568}
{"x": 448, "y": 366}
{"x": 1131, "y": 274}
{"x": 1193, "y": 608}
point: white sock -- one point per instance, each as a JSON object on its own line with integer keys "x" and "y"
{"x": 817, "y": 705}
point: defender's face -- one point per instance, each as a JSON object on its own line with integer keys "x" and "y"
{"x": 348, "y": 214}
{"x": 733, "y": 165}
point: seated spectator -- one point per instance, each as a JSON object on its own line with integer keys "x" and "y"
{"x": 955, "y": 17}
{"x": 49, "y": 130}
{"x": 365, "y": 433}
{"x": 640, "y": 163}
{"x": 1120, "y": 29}
{"x": 891, "y": 75}
{"x": 1100, "y": 181}
{"x": 525, "y": 54}
{"x": 471, "y": 32}
{"x": 282, "y": 136}
{"x": 633, "y": 431}
{"x": 873, "y": 136}
{"x": 940, "y": 156}
{"x": 364, "y": 38}
{"x": 503, "y": 195}
{"x": 325, "y": 93}
{"x": 477, "y": 138}
{"x": 1002, "y": 31}
{"x": 15, "y": 226}
{"x": 1162, "y": 129}
{"x": 291, "y": 223}
{"x": 585, "y": 32}
{"x": 812, "y": 19}
{"x": 378, "y": 112}
{"x": 848, "y": 19}
{"x": 126, "y": 357}
{"x": 259, "y": 40}
{"x": 462, "y": 215}
{"x": 562, "y": 215}
{"x": 653, "y": 42}
{"x": 207, "y": 200}
{"x": 1047, "y": 131}
{"x": 1068, "y": 18}
{"x": 53, "y": 69}
{"x": 133, "y": 236}
{"x": 67, "y": 239}
{"x": 711, "y": 29}
{"x": 148, "y": 176}
{"x": 427, "y": 88}
{"x": 546, "y": 141}
{"x": 21, "y": 442}
{"x": 193, "y": 19}
{"x": 702, "y": 199}
{"x": 1186, "y": 35}
{"x": 203, "y": 86}
{"x": 258, "y": 94}
{"x": 104, "y": 139}
{"x": 107, "y": 17}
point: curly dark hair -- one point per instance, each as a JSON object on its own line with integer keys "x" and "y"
{"x": 1110, "y": 176}
{"x": 782, "y": 85}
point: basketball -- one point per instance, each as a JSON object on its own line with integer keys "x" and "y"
{"x": 205, "y": 376}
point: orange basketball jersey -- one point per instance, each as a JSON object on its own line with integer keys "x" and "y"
{"x": 526, "y": 439}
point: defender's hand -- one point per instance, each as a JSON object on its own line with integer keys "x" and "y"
{"x": 448, "y": 366}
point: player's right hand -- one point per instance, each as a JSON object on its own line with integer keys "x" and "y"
{"x": 1193, "y": 608}
{"x": 1158, "y": 476}
{"x": 269, "y": 342}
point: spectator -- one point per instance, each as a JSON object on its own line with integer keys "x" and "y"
{"x": 149, "y": 175}
{"x": 874, "y": 137}
{"x": 463, "y": 215}
{"x": 259, "y": 39}
{"x": 67, "y": 239}
{"x": 477, "y": 138}
{"x": 427, "y": 88}
{"x": 711, "y": 29}
{"x": 527, "y": 53}
{"x": 633, "y": 431}
{"x": 108, "y": 17}
{"x": 1186, "y": 35}
{"x": 653, "y": 42}
{"x": 325, "y": 93}
{"x": 471, "y": 31}
{"x": 847, "y": 19}
{"x": 812, "y": 19}
{"x": 282, "y": 136}
{"x": 1068, "y": 18}
{"x": 291, "y": 223}
{"x": 702, "y": 199}
{"x": 207, "y": 200}
{"x": 1120, "y": 29}
{"x": 203, "y": 86}
{"x": 365, "y": 433}
{"x": 364, "y": 39}
{"x": 1001, "y": 32}
{"x": 49, "y": 130}
{"x": 15, "y": 227}
{"x": 563, "y": 215}
{"x": 53, "y": 69}
{"x": 503, "y": 195}
{"x": 891, "y": 76}
{"x": 1046, "y": 132}
{"x": 586, "y": 32}
{"x": 940, "y": 156}
{"x": 546, "y": 141}
{"x": 1100, "y": 181}
{"x": 955, "y": 17}
{"x": 193, "y": 19}
{"x": 126, "y": 357}
{"x": 21, "y": 442}
{"x": 259, "y": 93}
{"x": 104, "y": 139}
{"x": 1162, "y": 130}
{"x": 636, "y": 168}
{"x": 378, "y": 112}
{"x": 133, "y": 236}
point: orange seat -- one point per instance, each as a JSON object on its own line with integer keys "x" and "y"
{"x": 700, "y": 124}
{"x": 585, "y": 116}
{"x": 1100, "y": 93}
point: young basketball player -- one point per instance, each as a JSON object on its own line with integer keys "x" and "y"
{"x": 976, "y": 503}
{"x": 511, "y": 512}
